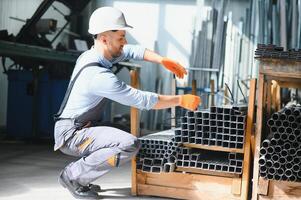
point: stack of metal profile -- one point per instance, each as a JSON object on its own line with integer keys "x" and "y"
{"x": 218, "y": 126}
{"x": 158, "y": 152}
{"x": 280, "y": 153}
{"x": 272, "y": 51}
{"x": 210, "y": 160}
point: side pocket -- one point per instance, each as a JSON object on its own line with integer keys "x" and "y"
{"x": 83, "y": 144}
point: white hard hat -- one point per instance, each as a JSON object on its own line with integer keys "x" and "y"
{"x": 105, "y": 19}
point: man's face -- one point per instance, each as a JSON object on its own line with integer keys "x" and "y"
{"x": 115, "y": 42}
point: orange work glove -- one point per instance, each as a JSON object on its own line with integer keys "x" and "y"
{"x": 190, "y": 101}
{"x": 174, "y": 67}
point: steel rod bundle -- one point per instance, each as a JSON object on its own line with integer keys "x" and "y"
{"x": 210, "y": 160}
{"x": 158, "y": 152}
{"x": 272, "y": 51}
{"x": 218, "y": 126}
{"x": 280, "y": 153}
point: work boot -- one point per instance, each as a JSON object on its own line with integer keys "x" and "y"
{"x": 77, "y": 190}
{"x": 94, "y": 188}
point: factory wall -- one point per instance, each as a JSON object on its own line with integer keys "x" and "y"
{"x": 23, "y": 10}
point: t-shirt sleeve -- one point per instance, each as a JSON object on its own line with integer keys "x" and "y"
{"x": 108, "y": 85}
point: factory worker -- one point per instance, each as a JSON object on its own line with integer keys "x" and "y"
{"x": 101, "y": 148}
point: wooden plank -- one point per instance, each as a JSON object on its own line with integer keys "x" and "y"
{"x": 273, "y": 94}
{"x": 269, "y": 99}
{"x": 193, "y": 87}
{"x": 236, "y": 186}
{"x": 284, "y": 84}
{"x": 226, "y": 95}
{"x": 183, "y": 180}
{"x": 213, "y": 148}
{"x": 260, "y": 102}
{"x": 186, "y": 186}
{"x": 278, "y": 98}
{"x": 283, "y": 190}
{"x": 253, "y": 143}
{"x": 207, "y": 172}
{"x": 287, "y": 197}
{"x": 178, "y": 193}
{"x": 263, "y": 186}
{"x": 280, "y": 68}
{"x": 134, "y": 74}
{"x": 162, "y": 191}
{"x": 247, "y": 145}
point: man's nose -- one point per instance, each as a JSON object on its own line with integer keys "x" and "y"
{"x": 125, "y": 41}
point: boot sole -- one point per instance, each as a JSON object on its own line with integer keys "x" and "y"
{"x": 72, "y": 192}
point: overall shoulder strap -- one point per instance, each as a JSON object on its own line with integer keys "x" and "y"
{"x": 70, "y": 86}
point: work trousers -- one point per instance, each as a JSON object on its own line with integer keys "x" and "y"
{"x": 94, "y": 146}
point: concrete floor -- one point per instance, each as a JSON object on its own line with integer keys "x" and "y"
{"x": 31, "y": 172}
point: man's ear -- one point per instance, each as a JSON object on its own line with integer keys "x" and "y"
{"x": 103, "y": 38}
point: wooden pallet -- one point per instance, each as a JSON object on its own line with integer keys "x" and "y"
{"x": 196, "y": 184}
{"x": 273, "y": 75}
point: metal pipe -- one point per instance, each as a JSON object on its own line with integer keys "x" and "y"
{"x": 277, "y": 165}
{"x": 296, "y": 168}
{"x": 282, "y": 117}
{"x": 269, "y": 176}
{"x": 282, "y": 160}
{"x": 284, "y": 153}
{"x": 293, "y": 178}
{"x": 297, "y": 132}
{"x": 277, "y": 149}
{"x": 289, "y": 158}
{"x": 284, "y": 136}
{"x": 297, "y": 112}
{"x": 294, "y": 125}
{"x": 287, "y": 145}
{"x": 288, "y": 173}
{"x": 288, "y": 130}
{"x": 269, "y": 163}
{"x": 270, "y": 150}
{"x": 274, "y": 129}
{"x": 281, "y": 129}
{"x": 277, "y": 177}
{"x": 275, "y": 116}
{"x": 262, "y": 161}
{"x": 271, "y": 122}
{"x": 285, "y": 123}
{"x": 292, "y": 138}
{"x": 291, "y": 118}
{"x": 288, "y": 166}
{"x": 271, "y": 171}
{"x": 280, "y": 172}
{"x": 292, "y": 151}
{"x": 266, "y": 143}
{"x": 274, "y": 141}
{"x": 275, "y": 158}
{"x": 288, "y": 111}
{"x": 278, "y": 123}
{"x": 296, "y": 160}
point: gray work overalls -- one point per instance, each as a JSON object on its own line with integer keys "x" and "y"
{"x": 94, "y": 144}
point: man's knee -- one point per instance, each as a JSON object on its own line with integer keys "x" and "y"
{"x": 133, "y": 146}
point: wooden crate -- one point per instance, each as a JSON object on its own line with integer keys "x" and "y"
{"x": 195, "y": 184}
{"x": 273, "y": 75}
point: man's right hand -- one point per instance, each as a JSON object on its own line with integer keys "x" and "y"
{"x": 190, "y": 101}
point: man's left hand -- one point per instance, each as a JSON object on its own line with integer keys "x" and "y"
{"x": 174, "y": 67}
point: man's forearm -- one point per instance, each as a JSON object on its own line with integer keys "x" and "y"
{"x": 152, "y": 56}
{"x": 167, "y": 101}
